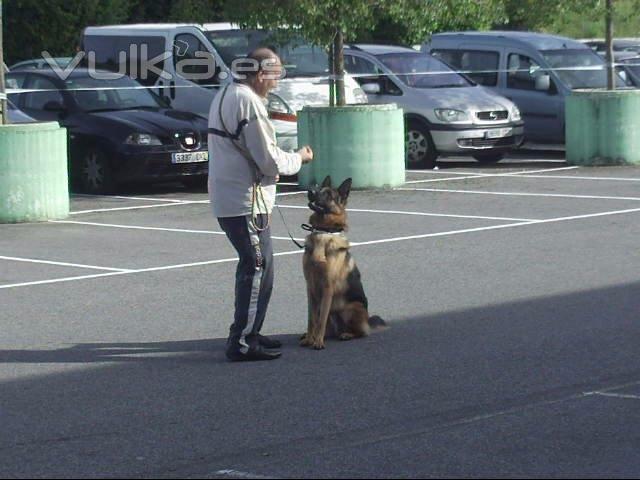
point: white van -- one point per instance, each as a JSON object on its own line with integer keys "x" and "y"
{"x": 164, "y": 55}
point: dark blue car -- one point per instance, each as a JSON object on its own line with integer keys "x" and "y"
{"x": 118, "y": 130}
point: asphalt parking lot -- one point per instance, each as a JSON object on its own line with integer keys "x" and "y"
{"x": 512, "y": 293}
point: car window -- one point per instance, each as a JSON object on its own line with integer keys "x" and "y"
{"x": 357, "y": 65}
{"x": 138, "y": 49}
{"x": 185, "y": 47}
{"x": 38, "y": 100}
{"x": 420, "y": 70}
{"x": 118, "y": 93}
{"x": 522, "y": 72}
{"x": 479, "y": 65}
{"x": 103, "y": 50}
{"x": 15, "y": 81}
{"x": 579, "y": 68}
{"x": 300, "y": 58}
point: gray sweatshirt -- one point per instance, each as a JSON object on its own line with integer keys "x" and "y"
{"x": 230, "y": 172}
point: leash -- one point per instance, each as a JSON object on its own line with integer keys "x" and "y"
{"x": 289, "y": 231}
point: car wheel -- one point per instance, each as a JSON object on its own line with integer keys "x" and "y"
{"x": 95, "y": 174}
{"x": 420, "y": 151}
{"x": 489, "y": 157}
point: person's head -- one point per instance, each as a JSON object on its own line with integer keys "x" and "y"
{"x": 262, "y": 69}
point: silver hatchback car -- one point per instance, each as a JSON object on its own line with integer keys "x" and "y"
{"x": 445, "y": 112}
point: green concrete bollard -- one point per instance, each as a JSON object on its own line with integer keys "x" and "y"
{"x": 33, "y": 172}
{"x": 603, "y": 127}
{"x": 364, "y": 142}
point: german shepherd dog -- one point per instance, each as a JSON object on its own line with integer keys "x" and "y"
{"x": 338, "y": 306}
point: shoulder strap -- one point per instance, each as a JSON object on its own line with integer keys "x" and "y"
{"x": 233, "y": 137}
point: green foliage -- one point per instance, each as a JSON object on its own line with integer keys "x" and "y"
{"x": 398, "y": 21}
{"x": 413, "y": 21}
{"x": 581, "y": 22}
{"x": 196, "y": 11}
{"x": 32, "y": 26}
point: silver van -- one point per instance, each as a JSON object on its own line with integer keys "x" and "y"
{"x": 445, "y": 112}
{"x": 537, "y": 71}
{"x": 188, "y": 62}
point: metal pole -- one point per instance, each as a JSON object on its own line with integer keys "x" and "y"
{"x": 609, "y": 40}
{"x": 4, "y": 119}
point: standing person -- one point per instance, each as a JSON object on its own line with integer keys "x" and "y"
{"x": 244, "y": 165}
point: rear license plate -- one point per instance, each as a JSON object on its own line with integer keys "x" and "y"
{"x": 499, "y": 132}
{"x": 190, "y": 157}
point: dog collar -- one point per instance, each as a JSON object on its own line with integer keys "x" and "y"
{"x": 319, "y": 231}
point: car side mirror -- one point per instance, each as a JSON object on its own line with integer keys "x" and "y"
{"x": 543, "y": 83}
{"x": 371, "y": 88}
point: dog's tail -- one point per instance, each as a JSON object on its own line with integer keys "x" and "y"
{"x": 376, "y": 322}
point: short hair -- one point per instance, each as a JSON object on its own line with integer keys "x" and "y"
{"x": 255, "y": 57}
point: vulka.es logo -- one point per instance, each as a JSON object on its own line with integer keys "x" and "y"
{"x": 136, "y": 64}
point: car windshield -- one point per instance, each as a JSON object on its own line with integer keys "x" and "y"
{"x": 579, "y": 68}
{"x": 299, "y": 57}
{"x": 110, "y": 94}
{"x": 420, "y": 70}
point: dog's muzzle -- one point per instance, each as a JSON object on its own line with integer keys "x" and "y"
{"x": 317, "y": 208}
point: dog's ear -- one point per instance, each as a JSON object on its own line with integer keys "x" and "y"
{"x": 326, "y": 182}
{"x": 344, "y": 189}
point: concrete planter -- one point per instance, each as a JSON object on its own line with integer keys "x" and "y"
{"x": 33, "y": 172}
{"x": 364, "y": 142}
{"x": 603, "y": 127}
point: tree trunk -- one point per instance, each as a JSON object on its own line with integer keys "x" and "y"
{"x": 339, "y": 69}
{"x": 4, "y": 119}
{"x": 609, "y": 42}
{"x": 332, "y": 80}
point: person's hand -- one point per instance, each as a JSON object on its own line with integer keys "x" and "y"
{"x": 306, "y": 153}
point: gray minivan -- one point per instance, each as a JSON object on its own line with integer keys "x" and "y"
{"x": 537, "y": 71}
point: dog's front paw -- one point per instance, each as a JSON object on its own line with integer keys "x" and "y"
{"x": 319, "y": 345}
{"x": 346, "y": 336}
{"x": 305, "y": 341}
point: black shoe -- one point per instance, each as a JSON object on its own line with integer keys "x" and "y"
{"x": 255, "y": 354}
{"x": 267, "y": 342}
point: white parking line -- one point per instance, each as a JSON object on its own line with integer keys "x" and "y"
{"x": 518, "y": 194}
{"x": 425, "y": 214}
{"x": 497, "y": 227}
{"x": 64, "y": 264}
{"x": 487, "y": 175}
{"x": 135, "y": 207}
{"x": 120, "y": 197}
{"x": 616, "y": 395}
{"x": 355, "y": 244}
{"x": 572, "y": 177}
{"x": 173, "y": 203}
{"x": 160, "y": 229}
{"x": 239, "y": 474}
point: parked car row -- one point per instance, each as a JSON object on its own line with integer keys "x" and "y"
{"x": 445, "y": 112}
{"x": 475, "y": 93}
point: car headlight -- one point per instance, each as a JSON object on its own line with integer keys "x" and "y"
{"x": 142, "y": 139}
{"x": 450, "y": 115}
{"x": 515, "y": 113}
